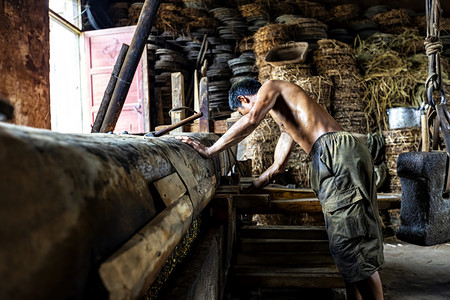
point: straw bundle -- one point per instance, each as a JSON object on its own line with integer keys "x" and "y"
{"x": 397, "y": 142}
{"x": 393, "y": 20}
{"x": 278, "y": 8}
{"x": 345, "y": 12}
{"x": 334, "y": 58}
{"x": 313, "y": 10}
{"x": 268, "y": 36}
{"x": 134, "y": 12}
{"x": 246, "y": 44}
{"x": 317, "y": 87}
{"x": 252, "y": 10}
{"x": 392, "y": 78}
{"x": 421, "y": 23}
{"x": 169, "y": 18}
{"x": 197, "y": 18}
{"x": 264, "y": 39}
{"x": 291, "y": 72}
{"x": 264, "y": 72}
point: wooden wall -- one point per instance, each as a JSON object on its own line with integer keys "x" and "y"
{"x": 24, "y": 60}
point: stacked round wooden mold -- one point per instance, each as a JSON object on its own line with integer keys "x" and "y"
{"x": 255, "y": 14}
{"x": 243, "y": 66}
{"x": 232, "y": 27}
{"x": 336, "y": 60}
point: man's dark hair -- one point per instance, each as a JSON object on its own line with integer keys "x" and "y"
{"x": 244, "y": 87}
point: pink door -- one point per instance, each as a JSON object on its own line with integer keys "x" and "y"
{"x": 102, "y": 48}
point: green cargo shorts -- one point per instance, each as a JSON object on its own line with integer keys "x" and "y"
{"x": 342, "y": 177}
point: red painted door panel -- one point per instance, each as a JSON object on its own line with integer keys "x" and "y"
{"x": 102, "y": 49}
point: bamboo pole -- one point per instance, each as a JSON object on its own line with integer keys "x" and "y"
{"x": 148, "y": 15}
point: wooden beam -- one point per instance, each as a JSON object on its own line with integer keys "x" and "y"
{"x": 177, "y": 99}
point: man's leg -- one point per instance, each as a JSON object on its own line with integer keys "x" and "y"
{"x": 369, "y": 288}
{"x": 352, "y": 291}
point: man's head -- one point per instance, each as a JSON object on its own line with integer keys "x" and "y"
{"x": 242, "y": 93}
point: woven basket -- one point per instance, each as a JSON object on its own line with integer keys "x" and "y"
{"x": 399, "y": 141}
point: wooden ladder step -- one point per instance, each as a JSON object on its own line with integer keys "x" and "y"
{"x": 277, "y": 277}
{"x": 282, "y": 245}
{"x": 284, "y": 232}
{"x": 284, "y": 258}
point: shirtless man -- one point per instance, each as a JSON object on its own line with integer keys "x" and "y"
{"x": 342, "y": 173}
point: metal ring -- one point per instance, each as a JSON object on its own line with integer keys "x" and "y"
{"x": 430, "y": 91}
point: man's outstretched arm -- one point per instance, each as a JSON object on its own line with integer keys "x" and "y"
{"x": 267, "y": 96}
{"x": 282, "y": 151}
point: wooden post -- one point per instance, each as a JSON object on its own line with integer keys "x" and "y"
{"x": 196, "y": 94}
{"x": 177, "y": 99}
{"x": 425, "y": 137}
{"x": 148, "y": 14}
{"x": 159, "y": 106}
{"x": 109, "y": 89}
{"x": 204, "y": 105}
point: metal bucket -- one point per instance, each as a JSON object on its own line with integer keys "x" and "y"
{"x": 403, "y": 117}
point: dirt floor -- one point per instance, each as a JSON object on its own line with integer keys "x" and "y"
{"x": 415, "y": 272}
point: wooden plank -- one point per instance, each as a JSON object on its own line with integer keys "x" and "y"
{"x": 275, "y": 277}
{"x": 285, "y": 193}
{"x": 284, "y": 258}
{"x": 251, "y": 201}
{"x": 296, "y": 206}
{"x": 170, "y": 188}
{"x": 303, "y": 205}
{"x": 177, "y": 99}
{"x": 284, "y": 232}
{"x": 228, "y": 189}
{"x": 284, "y": 245}
{"x": 132, "y": 268}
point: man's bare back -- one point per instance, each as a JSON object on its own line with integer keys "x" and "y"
{"x": 299, "y": 115}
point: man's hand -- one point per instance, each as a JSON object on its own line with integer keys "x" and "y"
{"x": 202, "y": 149}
